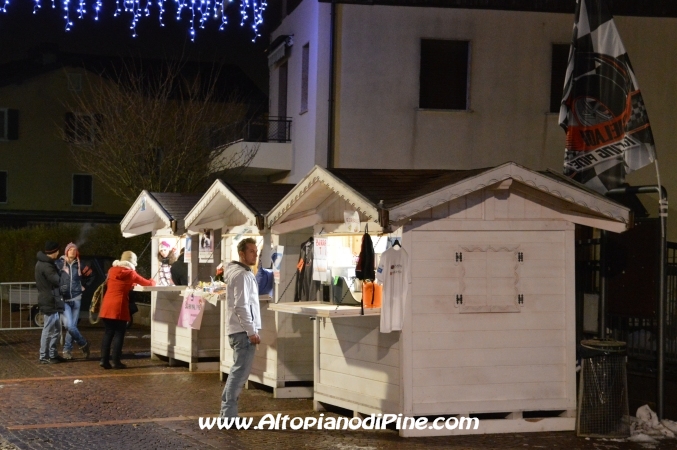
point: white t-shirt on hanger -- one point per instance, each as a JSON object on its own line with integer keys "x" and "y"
{"x": 393, "y": 273}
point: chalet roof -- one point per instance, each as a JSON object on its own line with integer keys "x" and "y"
{"x": 394, "y": 187}
{"x": 227, "y": 205}
{"x": 405, "y": 193}
{"x": 153, "y": 211}
{"x": 261, "y": 197}
{"x": 656, "y": 8}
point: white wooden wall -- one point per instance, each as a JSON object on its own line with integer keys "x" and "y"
{"x": 359, "y": 367}
{"x": 460, "y": 362}
{"x": 183, "y": 344}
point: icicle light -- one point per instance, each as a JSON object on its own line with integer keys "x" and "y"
{"x": 198, "y": 12}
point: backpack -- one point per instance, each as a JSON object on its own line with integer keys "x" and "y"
{"x": 97, "y": 298}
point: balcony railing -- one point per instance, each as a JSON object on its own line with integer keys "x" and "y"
{"x": 270, "y": 129}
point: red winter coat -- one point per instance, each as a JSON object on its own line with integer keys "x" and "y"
{"x": 115, "y": 304}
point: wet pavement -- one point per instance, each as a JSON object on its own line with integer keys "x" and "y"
{"x": 153, "y": 406}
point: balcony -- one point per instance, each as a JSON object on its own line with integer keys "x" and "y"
{"x": 270, "y": 139}
{"x": 271, "y": 129}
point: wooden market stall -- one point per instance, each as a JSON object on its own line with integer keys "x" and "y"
{"x": 489, "y": 318}
{"x": 162, "y": 215}
{"x": 284, "y": 358}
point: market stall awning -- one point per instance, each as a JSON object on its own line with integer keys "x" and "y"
{"x": 153, "y": 211}
{"x": 235, "y": 204}
{"x": 397, "y": 195}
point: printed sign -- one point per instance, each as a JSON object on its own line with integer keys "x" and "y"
{"x": 206, "y": 247}
{"x": 277, "y": 262}
{"x": 189, "y": 249}
{"x": 191, "y": 311}
{"x": 320, "y": 259}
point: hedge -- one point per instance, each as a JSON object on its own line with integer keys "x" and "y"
{"x": 20, "y": 246}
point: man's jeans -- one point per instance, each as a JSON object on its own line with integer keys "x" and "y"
{"x": 50, "y": 336}
{"x": 243, "y": 357}
{"x": 71, "y": 314}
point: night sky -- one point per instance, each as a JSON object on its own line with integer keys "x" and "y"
{"x": 21, "y": 31}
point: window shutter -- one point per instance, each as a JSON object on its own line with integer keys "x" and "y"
{"x": 12, "y": 124}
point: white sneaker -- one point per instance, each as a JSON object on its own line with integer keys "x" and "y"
{"x": 67, "y": 354}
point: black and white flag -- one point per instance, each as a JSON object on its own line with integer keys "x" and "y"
{"x": 608, "y": 134}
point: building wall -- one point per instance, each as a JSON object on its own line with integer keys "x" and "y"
{"x": 379, "y": 124}
{"x": 309, "y": 23}
{"x": 39, "y": 164}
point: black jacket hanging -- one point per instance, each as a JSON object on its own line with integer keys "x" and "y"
{"x": 365, "y": 263}
{"x": 304, "y": 277}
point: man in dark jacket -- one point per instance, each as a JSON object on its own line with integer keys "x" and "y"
{"x": 179, "y": 270}
{"x": 49, "y": 300}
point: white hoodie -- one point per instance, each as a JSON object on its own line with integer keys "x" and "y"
{"x": 243, "y": 313}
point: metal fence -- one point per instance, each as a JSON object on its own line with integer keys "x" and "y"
{"x": 19, "y": 306}
{"x": 640, "y": 333}
{"x": 270, "y": 129}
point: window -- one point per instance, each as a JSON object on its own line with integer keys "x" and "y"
{"x": 74, "y": 82}
{"x": 81, "y": 128}
{"x": 304, "y": 78}
{"x": 444, "y": 74}
{"x": 9, "y": 124}
{"x": 3, "y": 187}
{"x": 560, "y": 60}
{"x": 82, "y": 190}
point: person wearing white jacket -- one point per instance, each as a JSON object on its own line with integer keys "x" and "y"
{"x": 243, "y": 322}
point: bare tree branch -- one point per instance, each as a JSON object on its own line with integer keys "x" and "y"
{"x": 155, "y": 130}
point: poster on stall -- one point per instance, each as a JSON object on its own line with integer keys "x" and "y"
{"x": 320, "y": 259}
{"x": 352, "y": 220}
{"x": 188, "y": 250}
{"x": 192, "y": 308}
{"x": 168, "y": 253}
{"x": 206, "y": 247}
{"x": 277, "y": 262}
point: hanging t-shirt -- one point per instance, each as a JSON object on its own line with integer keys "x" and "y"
{"x": 393, "y": 273}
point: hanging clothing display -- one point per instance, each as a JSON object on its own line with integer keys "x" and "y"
{"x": 365, "y": 262}
{"x": 393, "y": 273}
{"x": 304, "y": 272}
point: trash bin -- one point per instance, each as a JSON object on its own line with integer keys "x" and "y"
{"x": 603, "y": 389}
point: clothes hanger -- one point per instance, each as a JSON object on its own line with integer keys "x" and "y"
{"x": 397, "y": 242}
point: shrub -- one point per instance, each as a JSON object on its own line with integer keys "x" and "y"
{"x": 21, "y": 245}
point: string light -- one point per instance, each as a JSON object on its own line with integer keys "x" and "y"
{"x": 203, "y": 8}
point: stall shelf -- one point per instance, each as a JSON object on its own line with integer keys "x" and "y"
{"x": 162, "y": 214}
{"x": 489, "y": 318}
{"x": 284, "y": 359}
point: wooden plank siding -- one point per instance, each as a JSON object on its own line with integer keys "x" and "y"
{"x": 177, "y": 342}
{"x": 490, "y": 361}
{"x": 359, "y": 362}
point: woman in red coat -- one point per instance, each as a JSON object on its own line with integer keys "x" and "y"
{"x": 115, "y": 307}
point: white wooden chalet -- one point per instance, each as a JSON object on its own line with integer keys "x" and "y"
{"x": 284, "y": 358}
{"x": 489, "y": 321}
{"x": 162, "y": 215}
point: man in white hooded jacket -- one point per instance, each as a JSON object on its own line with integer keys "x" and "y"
{"x": 243, "y": 322}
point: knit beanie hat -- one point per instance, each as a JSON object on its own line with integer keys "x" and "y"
{"x": 129, "y": 256}
{"x": 70, "y": 246}
{"x": 51, "y": 247}
{"x": 77, "y": 255}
